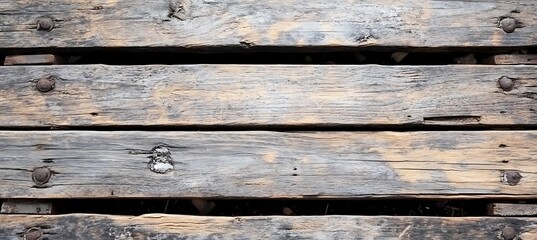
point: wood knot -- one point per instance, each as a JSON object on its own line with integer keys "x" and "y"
{"x": 160, "y": 160}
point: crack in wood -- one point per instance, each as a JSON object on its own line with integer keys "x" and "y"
{"x": 458, "y": 119}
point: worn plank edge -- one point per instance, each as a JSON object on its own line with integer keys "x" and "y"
{"x": 164, "y": 226}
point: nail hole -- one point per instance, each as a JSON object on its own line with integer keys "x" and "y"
{"x": 531, "y": 109}
{"x": 502, "y": 112}
{"x": 515, "y": 11}
{"x": 94, "y": 114}
{"x": 409, "y": 116}
{"x": 294, "y": 174}
{"x": 294, "y": 169}
{"x": 112, "y": 193}
{"x": 505, "y": 161}
{"x": 502, "y": 145}
{"x": 48, "y": 160}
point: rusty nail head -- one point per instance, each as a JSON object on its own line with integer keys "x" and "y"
{"x": 508, "y": 233}
{"x": 508, "y": 24}
{"x": 33, "y": 234}
{"x": 45, "y": 24}
{"x": 512, "y": 177}
{"x": 506, "y": 83}
{"x": 45, "y": 84}
{"x": 41, "y": 175}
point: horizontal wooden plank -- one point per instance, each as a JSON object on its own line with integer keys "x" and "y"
{"x": 40, "y": 59}
{"x": 26, "y": 207}
{"x": 261, "y": 95}
{"x": 510, "y": 209}
{"x": 267, "y": 23}
{"x": 87, "y": 164}
{"x": 512, "y": 59}
{"x": 160, "y": 226}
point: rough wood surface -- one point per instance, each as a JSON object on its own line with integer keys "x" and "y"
{"x": 26, "y": 207}
{"x": 159, "y": 226}
{"x": 512, "y": 59}
{"x": 510, "y": 209}
{"x": 267, "y": 23}
{"x": 40, "y": 59}
{"x": 87, "y": 164}
{"x": 261, "y": 95}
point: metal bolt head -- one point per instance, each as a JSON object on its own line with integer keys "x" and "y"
{"x": 508, "y": 25}
{"x": 45, "y": 24}
{"x": 511, "y": 177}
{"x": 41, "y": 175}
{"x": 506, "y": 83}
{"x": 508, "y": 233}
{"x": 45, "y": 84}
{"x": 33, "y": 234}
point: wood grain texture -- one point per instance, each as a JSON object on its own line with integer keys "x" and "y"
{"x": 39, "y": 59}
{"x": 159, "y": 226}
{"x": 267, "y": 23}
{"x": 510, "y": 209}
{"x": 339, "y": 165}
{"x": 262, "y": 95}
{"x": 512, "y": 59}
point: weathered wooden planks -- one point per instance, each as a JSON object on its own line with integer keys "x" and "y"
{"x": 87, "y": 164}
{"x": 160, "y": 226}
{"x": 267, "y": 23}
{"x": 39, "y": 59}
{"x": 510, "y": 209}
{"x": 261, "y": 95}
{"x": 512, "y": 59}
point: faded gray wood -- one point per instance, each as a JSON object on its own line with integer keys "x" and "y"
{"x": 261, "y": 95}
{"x": 250, "y": 24}
{"x": 512, "y": 59}
{"x": 510, "y": 209}
{"x": 159, "y": 226}
{"x": 353, "y": 165}
{"x": 12, "y": 206}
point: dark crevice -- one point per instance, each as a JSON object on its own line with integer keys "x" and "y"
{"x": 252, "y": 207}
{"x": 259, "y": 207}
{"x": 278, "y": 56}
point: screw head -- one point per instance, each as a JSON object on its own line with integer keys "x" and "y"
{"x": 45, "y": 24}
{"x": 511, "y": 177}
{"x": 508, "y": 233}
{"x": 508, "y": 24}
{"x": 33, "y": 234}
{"x": 506, "y": 83}
{"x": 45, "y": 84}
{"x": 41, "y": 175}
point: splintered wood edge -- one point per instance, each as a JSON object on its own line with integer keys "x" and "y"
{"x": 239, "y": 165}
{"x": 39, "y": 59}
{"x": 512, "y": 59}
{"x": 239, "y": 24}
{"x": 262, "y": 96}
{"x": 161, "y": 226}
{"x": 512, "y": 209}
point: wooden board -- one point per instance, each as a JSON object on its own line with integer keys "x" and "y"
{"x": 261, "y": 95}
{"x": 40, "y": 59}
{"x": 267, "y": 23}
{"x": 512, "y": 59}
{"x": 335, "y": 165}
{"x": 160, "y": 226}
{"x": 510, "y": 209}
